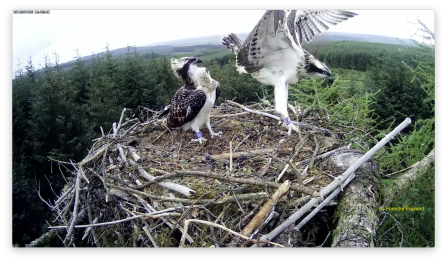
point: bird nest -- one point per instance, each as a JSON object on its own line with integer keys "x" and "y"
{"x": 145, "y": 185}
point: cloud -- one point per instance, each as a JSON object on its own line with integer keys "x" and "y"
{"x": 63, "y": 31}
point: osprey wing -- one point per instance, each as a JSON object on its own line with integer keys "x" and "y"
{"x": 185, "y": 106}
{"x": 305, "y": 24}
{"x": 259, "y": 49}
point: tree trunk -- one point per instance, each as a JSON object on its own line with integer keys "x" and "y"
{"x": 359, "y": 208}
{"x": 405, "y": 181}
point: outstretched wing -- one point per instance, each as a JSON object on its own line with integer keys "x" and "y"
{"x": 276, "y": 28}
{"x": 185, "y": 105}
{"x": 257, "y": 49}
{"x": 305, "y": 24}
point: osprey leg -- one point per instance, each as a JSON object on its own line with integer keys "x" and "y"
{"x": 281, "y": 100}
{"x": 199, "y": 136}
{"x": 208, "y": 125}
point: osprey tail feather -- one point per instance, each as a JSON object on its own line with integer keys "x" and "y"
{"x": 232, "y": 42}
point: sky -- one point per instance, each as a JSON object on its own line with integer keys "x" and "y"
{"x": 89, "y": 31}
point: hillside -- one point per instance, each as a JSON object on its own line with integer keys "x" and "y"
{"x": 207, "y": 47}
{"x": 326, "y": 36}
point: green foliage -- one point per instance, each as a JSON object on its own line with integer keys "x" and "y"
{"x": 418, "y": 228}
{"x": 240, "y": 87}
{"x": 353, "y": 55}
{"x": 339, "y": 104}
{"x": 398, "y": 97}
{"x": 27, "y": 210}
{"x": 408, "y": 149}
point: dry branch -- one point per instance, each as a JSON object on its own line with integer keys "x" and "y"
{"x": 266, "y": 208}
{"x": 68, "y": 237}
{"x": 169, "y": 185}
{"x": 210, "y": 174}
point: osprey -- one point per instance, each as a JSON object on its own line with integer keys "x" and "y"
{"x": 191, "y": 105}
{"x": 273, "y": 55}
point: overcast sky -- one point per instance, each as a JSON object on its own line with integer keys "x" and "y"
{"x": 63, "y": 31}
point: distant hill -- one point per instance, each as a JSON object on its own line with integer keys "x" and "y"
{"x": 211, "y": 46}
{"x": 326, "y": 36}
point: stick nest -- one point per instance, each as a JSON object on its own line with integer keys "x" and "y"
{"x": 142, "y": 181}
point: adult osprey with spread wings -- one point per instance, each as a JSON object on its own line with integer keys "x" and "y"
{"x": 273, "y": 55}
{"x": 191, "y": 105}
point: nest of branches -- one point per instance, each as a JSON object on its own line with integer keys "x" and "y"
{"x": 145, "y": 185}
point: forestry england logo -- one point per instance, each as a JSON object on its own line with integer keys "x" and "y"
{"x": 30, "y": 12}
{"x": 401, "y": 209}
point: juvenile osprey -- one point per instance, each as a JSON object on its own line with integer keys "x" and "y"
{"x": 273, "y": 55}
{"x": 191, "y": 105}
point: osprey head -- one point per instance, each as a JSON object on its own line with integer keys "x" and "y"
{"x": 182, "y": 66}
{"x": 315, "y": 68}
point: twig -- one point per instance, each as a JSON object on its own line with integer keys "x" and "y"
{"x": 81, "y": 169}
{"x": 75, "y": 211}
{"x": 253, "y": 111}
{"x": 49, "y": 183}
{"x": 99, "y": 152}
{"x": 247, "y": 153}
{"x": 156, "y": 139}
{"x": 325, "y": 239}
{"x": 65, "y": 194}
{"x": 277, "y": 117}
{"x": 169, "y": 185}
{"x": 401, "y": 171}
{"x": 266, "y": 168}
{"x": 187, "y": 221}
{"x": 296, "y": 188}
{"x": 231, "y": 159}
{"x": 322, "y": 156}
{"x": 337, "y": 99}
{"x": 242, "y": 197}
{"x": 243, "y": 140}
{"x": 297, "y": 172}
{"x": 122, "y": 220}
{"x": 38, "y": 193}
{"x": 151, "y": 209}
{"x": 229, "y": 115}
{"x": 297, "y": 151}
{"x": 121, "y": 151}
{"x": 237, "y": 201}
{"x": 149, "y": 235}
{"x": 115, "y": 130}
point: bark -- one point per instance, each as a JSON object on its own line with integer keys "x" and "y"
{"x": 405, "y": 181}
{"x": 359, "y": 209}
